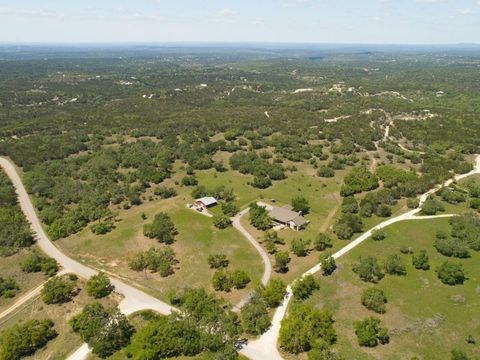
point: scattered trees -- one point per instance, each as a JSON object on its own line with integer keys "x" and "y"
{"x": 99, "y": 286}
{"x": 431, "y": 206}
{"x": 374, "y": 299}
{"x": 370, "y": 333}
{"x": 270, "y": 241}
{"x": 154, "y": 259}
{"x": 25, "y": 339}
{"x": 161, "y": 229}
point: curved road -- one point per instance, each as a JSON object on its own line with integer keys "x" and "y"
{"x": 134, "y": 299}
{"x": 265, "y": 347}
{"x": 267, "y": 266}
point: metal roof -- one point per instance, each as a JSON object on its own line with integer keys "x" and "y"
{"x": 207, "y": 200}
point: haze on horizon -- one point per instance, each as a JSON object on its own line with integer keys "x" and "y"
{"x": 286, "y": 21}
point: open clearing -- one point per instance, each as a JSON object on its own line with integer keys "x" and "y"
{"x": 420, "y": 310}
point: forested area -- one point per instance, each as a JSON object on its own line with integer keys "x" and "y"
{"x": 99, "y": 136}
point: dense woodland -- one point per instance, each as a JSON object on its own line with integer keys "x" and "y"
{"x": 93, "y": 134}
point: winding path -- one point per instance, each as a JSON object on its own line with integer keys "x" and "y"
{"x": 265, "y": 347}
{"x": 133, "y": 299}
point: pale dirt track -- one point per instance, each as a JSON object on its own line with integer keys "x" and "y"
{"x": 265, "y": 347}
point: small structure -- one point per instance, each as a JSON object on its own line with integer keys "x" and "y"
{"x": 206, "y": 202}
{"x": 286, "y": 216}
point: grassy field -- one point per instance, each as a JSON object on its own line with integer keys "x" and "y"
{"x": 196, "y": 239}
{"x": 66, "y": 341}
{"x": 425, "y": 318}
{"x": 10, "y": 268}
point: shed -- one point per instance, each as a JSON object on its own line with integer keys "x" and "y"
{"x": 206, "y": 202}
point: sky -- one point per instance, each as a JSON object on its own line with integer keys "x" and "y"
{"x": 286, "y": 21}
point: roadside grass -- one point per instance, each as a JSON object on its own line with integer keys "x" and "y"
{"x": 425, "y": 318}
{"x": 67, "y": 341}
{"x": 10, "y": 268}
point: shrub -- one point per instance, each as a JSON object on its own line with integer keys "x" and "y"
{"x": 300, "y": 247}
{"x": 254, "y": 316}
{"x": 240, "y": 279}
{"x": 261, "y": 182}
{"x": 394, "y": 266}
{"x": 35, "y": 262}
{"x": 369, "y": 332}
{"x": 158, "y": 260}
{"x": 281, "y": 261}
{"x": 25, "y": 339}
{"x": 368, "y": 269}
{"x": 221, "y": 221}
{"x": 102, "y": 227}
{"x": 229, "y": 208}
{"x": 420, "y": 260}
{"x": 8, "y": 287}
{"x": 274, "y": 292}
{"x": 165, "y": 192}
{"x": 451, "y": 247}
{"x": 304, "y": 287}
{"x": 322, "y": 242}
{"x": 58, "y": 290}
{"x": 99, "y": 286}
{"x": 413, "y": 203}
{"x": 217, "y": 261}
{"x": 374, "y": 299}
{"x": 222, "y": 281}
{"x": 189, "y": 180}
{"x": 325, "y": 172}
{"x": 328, "y": 265}
{"x": 451, "y": 273}
{"x": 378, "y": 235}
{"x": 259, "y": 218}
{"x": 432, "y": 206}
{"x": 161, "y": 229}
{"x": 300, "y": 203}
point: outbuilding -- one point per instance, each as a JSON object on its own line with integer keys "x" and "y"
{"x": 206, "y": 202}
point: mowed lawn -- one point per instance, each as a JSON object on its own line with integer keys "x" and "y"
{"x": 67, "y": 341}
{"x": 196, "y": 239}
{"x": 425, "y": 318}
